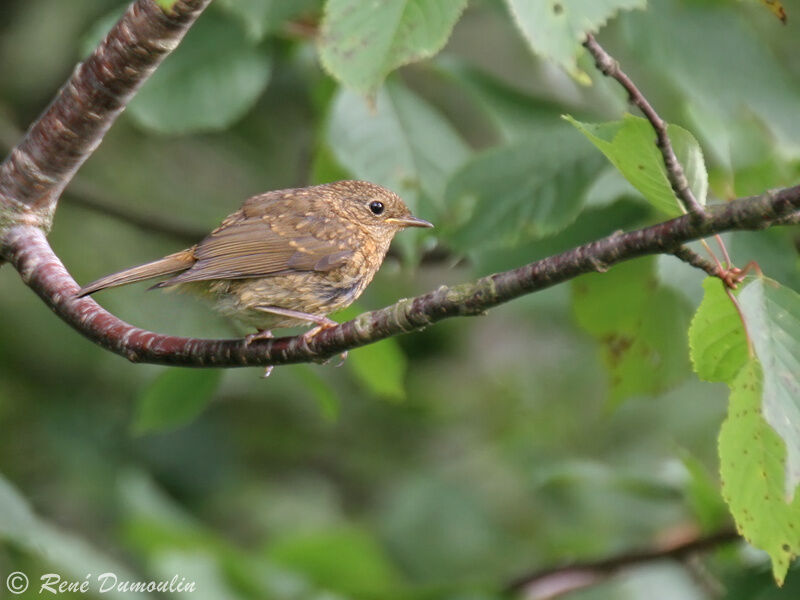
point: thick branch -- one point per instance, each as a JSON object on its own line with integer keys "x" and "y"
{"x": 588, "y": 573}
{"x": 39, "y": 168}
{"x": 677, "y": 179}
{"x": 27, "y": 249}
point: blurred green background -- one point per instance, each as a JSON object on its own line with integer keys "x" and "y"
{"x": 441, "y": 464}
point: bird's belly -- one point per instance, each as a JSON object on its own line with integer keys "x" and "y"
{"x": 244, "y": 299}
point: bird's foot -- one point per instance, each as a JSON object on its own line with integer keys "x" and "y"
{"x": 321, "y": 326}
{"x": 267, "y": 371}
{"x": 308, "y": 335}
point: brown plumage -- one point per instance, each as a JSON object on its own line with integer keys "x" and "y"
{"x": 287, "y": 257}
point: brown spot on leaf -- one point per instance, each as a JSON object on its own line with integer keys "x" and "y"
{"x": 617, "y": 345}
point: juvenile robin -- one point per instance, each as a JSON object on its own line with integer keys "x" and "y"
{"x": 286, "y": 258}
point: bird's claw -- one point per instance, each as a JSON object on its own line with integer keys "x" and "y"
{"x": 264, "y": 334}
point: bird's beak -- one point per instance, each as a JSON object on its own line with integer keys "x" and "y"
{"x": 409, "y": 221}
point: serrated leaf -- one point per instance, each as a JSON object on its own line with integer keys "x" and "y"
{"x": 211, "y": 80}
{"x": 630, "y": 146}
{"x": 522, "y": 191}
{"x": 717, "y": 340}
{"x": 772, "y": 314}
{"x": 174, "y": 398}
{"x": 556, "y": 30}
{"x": 639, "y": 324}
{"x": 752, "y": 466}
{"x": 362, "y": 42}
{"x": 403, "y": 143}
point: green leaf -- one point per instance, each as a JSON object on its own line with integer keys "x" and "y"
{"x": 717, "y": 341}
{"x": 344, "y": 559}
{"x": 403, "y": 143}
{"x": 556, "y": 30}
{"x": 174, "y": 398}
{"x": 630, "y": 146}
{"x": 362, "y": 42}
{"x": 514, "y": 114}
{"x": 260, "y": 17}
{"x": 521, "y": 191}
{"x": 381, "y": 368}
{"x": 639, "y": 324}
{"x": 752, "y": 465}
{"x": 211, "y": 80}
{"x": 772, "y": 314}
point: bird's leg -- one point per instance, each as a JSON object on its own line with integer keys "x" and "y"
{"x": 322, "y": 322}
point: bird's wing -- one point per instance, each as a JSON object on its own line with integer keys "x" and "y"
{"x": 251, "y": 246}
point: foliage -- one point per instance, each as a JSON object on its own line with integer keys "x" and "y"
{"x": 565, "y": 426}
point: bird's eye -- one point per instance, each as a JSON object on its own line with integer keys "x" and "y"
{"x": 376, "y": 207}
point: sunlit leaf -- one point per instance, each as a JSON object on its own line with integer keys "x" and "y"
{"x": 630, "y": 146}
{"x": 640, "y": 325}
{"x": 174, "y": 398}
{"x": 752, "y": 465}
{"x": 362, "y": 42}
{"x": 555, "y": 30}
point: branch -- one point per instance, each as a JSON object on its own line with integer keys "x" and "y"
{"x": 27, "y": 249}
{"x": 567, "y": 578}
{"x": 677, "y": 179}
{"x": 36, "y": 172}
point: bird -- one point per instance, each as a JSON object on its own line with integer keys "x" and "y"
{"x": 285, "y": 258}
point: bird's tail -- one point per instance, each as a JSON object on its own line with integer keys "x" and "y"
{"x": 173, "y": 263}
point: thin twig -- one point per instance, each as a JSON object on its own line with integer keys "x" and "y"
{"x": 27, "y": 249}
{"x": 606, "y": 567}
{"x": 677, "y": 178}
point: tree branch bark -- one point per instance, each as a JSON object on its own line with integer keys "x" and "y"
{"x": 27, "y": 249}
